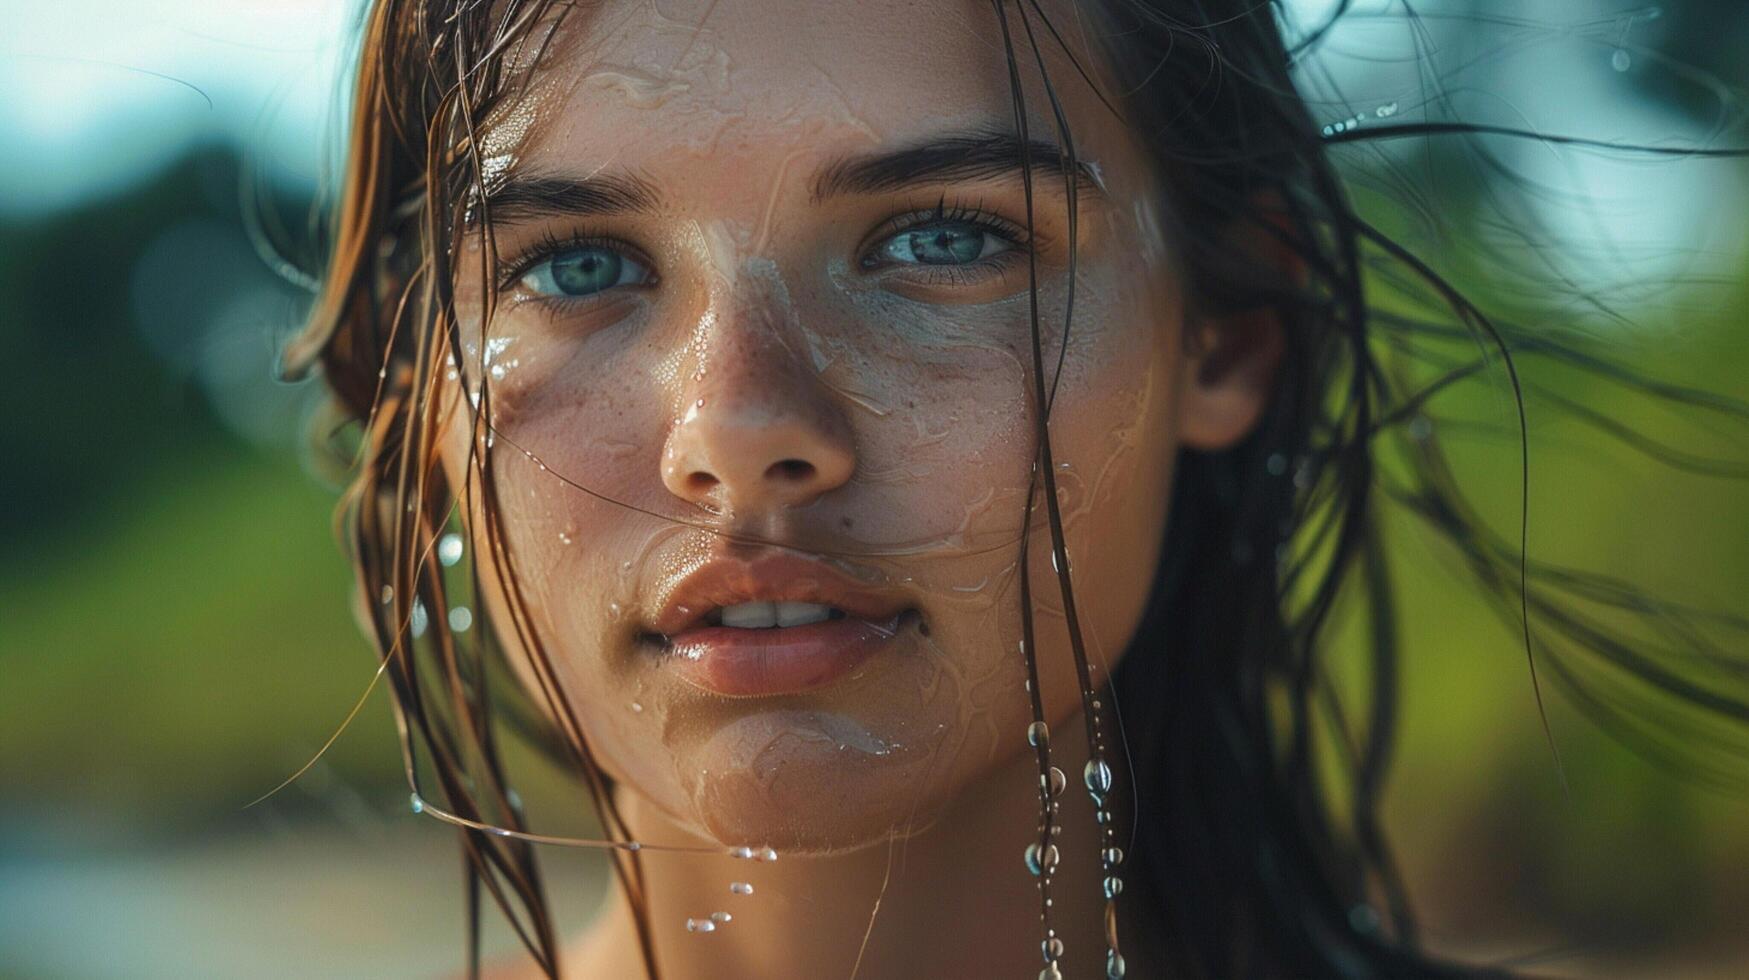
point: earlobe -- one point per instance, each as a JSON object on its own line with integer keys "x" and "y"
{"x": 1229, "y": 378}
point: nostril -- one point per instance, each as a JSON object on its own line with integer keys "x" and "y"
{"x": 699, "y": 481}
{"x": 790, "y": 470}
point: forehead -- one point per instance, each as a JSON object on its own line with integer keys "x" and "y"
{"x": 658, "y": 84}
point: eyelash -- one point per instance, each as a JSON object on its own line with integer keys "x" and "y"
{"x": 971, "y": 214}
{"x": 551, "y": 245}
{"x": 975, "y": 215}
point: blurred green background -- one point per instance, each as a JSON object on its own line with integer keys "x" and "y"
{"x": 174, "y": 634}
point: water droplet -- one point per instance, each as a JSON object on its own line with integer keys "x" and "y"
{"x": 1050, "y": 973}
{"x": 460, "y": 619}
{"x": 613, "y": 610}
{"x": 700, "y": 925}
{"x": 721, "y": 917}
{"x": 740, "y": 888}
{"x": 564, "y": 538}
{"x": 388, "y": 595}
{"x": 1113, "y": 887}
{"x": 634, "y": 846}
{"x": 1621, "y": 60}
{"x": 767, "y": 855}
{"x": 1053, "y": 949}
{"x": 497, "y": 372}
{"x": 419, "y": 620}
{"x": 1112, "y": 856}
{"x": 418, "y": 804}
{"x": 743, "y": 853}
{"x": 1054, "y": 782}
{"x": 1037, "y": 734}
{"x": 1098, "y": 777}
{"x": 1041, "y": 860}
{"x": 1420, "y": 428}
{"x": 1113, "y": 965}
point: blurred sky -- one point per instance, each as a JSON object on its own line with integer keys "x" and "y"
{"x": 100, "y": 94}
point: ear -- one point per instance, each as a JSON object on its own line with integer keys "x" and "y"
{"x": 1231, "y": 359}
{"x": 1229, "y": 377}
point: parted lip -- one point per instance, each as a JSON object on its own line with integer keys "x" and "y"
{"x": 770, "y": 577}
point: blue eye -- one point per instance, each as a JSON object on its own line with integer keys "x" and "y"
{"x": 584, "y": 270}
{"x": 942, "y": 243}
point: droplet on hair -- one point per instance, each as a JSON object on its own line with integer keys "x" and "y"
{"x": 1041, "y": 860}
{"x": 700, "y": 925}
{"x": 1038, "y": 734}
{"x": 1050, "y": 973}
{"x": 1621, "y": 60}
{"x": 1112, "y": 856}
{"x": 460, "y": 618}
{"x": 420, "y": 620}
{"x": 1113, "y": 887}
{"x": 1113, "y": 965}
{"x": 1098, "y": 777}
{"x": 744, "y": 853}
{"x": 1053, "y": 782}
{"x": 721, "y": 917}
{"x": 768, "y": 855}
{"x": 449, "y": 549}
{"x": 740, "y": 888}
{"x": 388, "y": 595}
{"x": 418, "y": 804}
{"x": 1053, "y": 949}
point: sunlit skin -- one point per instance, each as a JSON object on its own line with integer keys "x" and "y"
{"x": 745, "y": 355}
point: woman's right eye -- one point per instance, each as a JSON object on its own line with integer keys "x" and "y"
{"x": 584, "y": 270}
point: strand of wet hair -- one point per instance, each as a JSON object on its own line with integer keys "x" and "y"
{"x": 1098, "y": 777}
{"x": 1097, "y": 774}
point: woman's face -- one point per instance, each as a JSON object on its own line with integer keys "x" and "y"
{"x": 760, "y": 382}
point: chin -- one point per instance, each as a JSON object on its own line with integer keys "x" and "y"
{"x": 814, "y": 782}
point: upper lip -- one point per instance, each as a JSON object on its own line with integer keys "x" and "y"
{"x": 770, "y": 577}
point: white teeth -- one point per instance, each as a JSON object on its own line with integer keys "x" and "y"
{"x": 765, "y": 615}
{"x": 750, "y": 615}
{"x": 801, "y": 613}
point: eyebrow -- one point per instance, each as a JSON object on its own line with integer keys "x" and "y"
{"x": 959, "y": 156}
{"x": 941, "y": 159}
{"x": 521, "y": 197}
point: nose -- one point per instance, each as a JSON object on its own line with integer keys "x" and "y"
{"x": 759, "y": 432}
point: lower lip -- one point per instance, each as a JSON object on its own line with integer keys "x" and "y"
{"x": 788, "y": 660}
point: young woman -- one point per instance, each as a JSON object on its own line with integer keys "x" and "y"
{"x": 901, "y": 456}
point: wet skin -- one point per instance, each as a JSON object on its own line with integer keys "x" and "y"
{"x": 763, "y": 333}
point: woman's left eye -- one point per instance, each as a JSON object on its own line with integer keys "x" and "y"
{"x": 584, "y": 270}
{"x": 941, "y": 243}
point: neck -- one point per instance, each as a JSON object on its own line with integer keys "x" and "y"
{"x": 952, "y": 900}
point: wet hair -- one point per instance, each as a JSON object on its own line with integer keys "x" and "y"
{"x": 1247, "y": 856}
